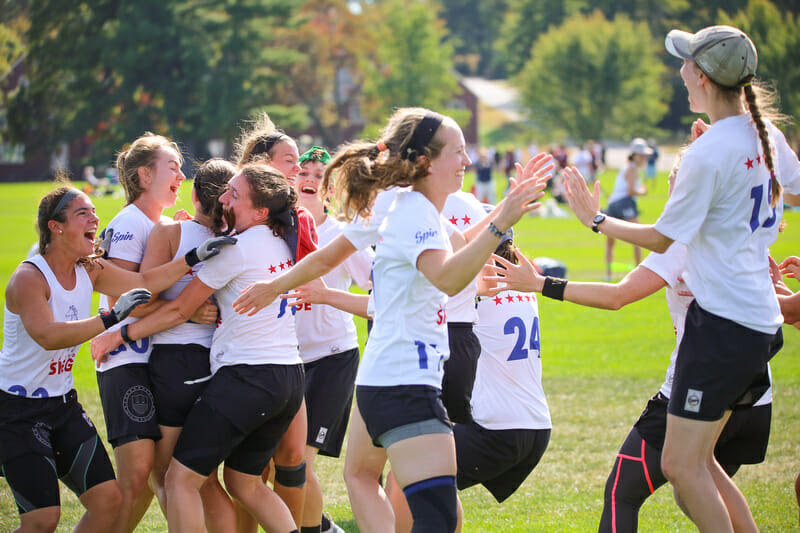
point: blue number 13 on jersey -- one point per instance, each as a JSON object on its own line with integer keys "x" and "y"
{"x": 516, "y": 325}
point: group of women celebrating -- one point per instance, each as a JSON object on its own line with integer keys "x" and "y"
{"x": 208, "y": 359}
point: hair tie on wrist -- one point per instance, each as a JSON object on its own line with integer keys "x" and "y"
{"x": 747, "y": 84}
{"x": 554, "y": 288}
{"x": 494, "y": 230}
{"x": 381, "y": 146}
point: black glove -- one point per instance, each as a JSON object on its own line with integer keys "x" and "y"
{"x": 124, "y": 306}
{"x": 105, "y": 241}
{"x": 208, "y": 249}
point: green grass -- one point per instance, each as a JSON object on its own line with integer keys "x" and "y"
{"x": 599, "y": 369}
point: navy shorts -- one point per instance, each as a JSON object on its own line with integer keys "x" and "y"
{"x": 128, "y": 404}
{"x": 500, "y": 460}
{"x": 240, "y": 418}
{"x": 179, "y": 373}
{"x": 624, "y": 208}
{"x": 392, "y": 414}
{"x": 459, "y": 371}
{"x": 743, "y": 440}
{"x": 719, "y": 364}
{"x": 329, "y": 397}
{"x": 44, "y": 440}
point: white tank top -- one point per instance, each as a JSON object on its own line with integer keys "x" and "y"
{"x": 192, "y": 235}
{"x": 621, "y": 184}
{"x": 27, "y": 369}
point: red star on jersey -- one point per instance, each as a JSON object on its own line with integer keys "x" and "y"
{"x": 272, "y": 269}
{"x": 191, "y": 272}
{"x": 466, "y": 220}
{"x": 498, "y": 300}
{"x": 283, "y": 267}
{"x": 510, "y": 298}
{"x": 453, "y": 220}
{"x": 519, "y": 298}
{"x": 749, "y": 163}
{"x": 758, "y": 159}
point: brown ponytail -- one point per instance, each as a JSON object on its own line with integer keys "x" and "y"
{"x": 210, "y": 182}
{"x": 755, "y": 111}
{"x": 360, "y": 169}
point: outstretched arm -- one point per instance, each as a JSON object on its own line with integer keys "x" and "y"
{"x": 316, "y": 292}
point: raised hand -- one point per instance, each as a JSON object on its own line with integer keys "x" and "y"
{"x": 523, "y": 277}
{"x": 698, "y": 128}
{"x": 181, "y": 215}
{"x": 790, "y": 267}
{"x": 525, "y": 190}
{"x": 105, "y": 241}
{"x": 585, "y": 204}
{"x": 208, "y": 249}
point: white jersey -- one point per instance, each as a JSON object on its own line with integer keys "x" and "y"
{"x": 131, "y": 229}
{"x": 463, "y": 210}
{"x": 192, "y": 236}
{"x": 364, "y": 233}
{"x": 620, "y": 190}
{"x": 670, "y": 266}
{"x": 324, "y": 330}
{"x": 408, "y": 344}
{"x": 268, "y": 337}
{"x": 508, "y": 391}
{"x": 720, "y": 208}
{"x": 27, "y": 369}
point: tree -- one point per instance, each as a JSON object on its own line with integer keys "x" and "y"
{"x": 411, "y": 64}
{"x": 326, "y": 80}
{"x": 593, "y": 78}
{"x": 776, "y": 35}
{"x": 474, "y": 26}
{"x": 105, "y": 71}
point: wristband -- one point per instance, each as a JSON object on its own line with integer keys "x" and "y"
{"x": 494, "y": 231}
{"x": 191, "y": 257}
{"x": 123, "y": 331}
{"x": 554, "y": 288}
{"x": 109, "y": 318}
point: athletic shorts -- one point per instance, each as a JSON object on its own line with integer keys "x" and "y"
{"x": 719, "y": 362}
{"x": 743, "y": 440}
{"x": 178, "y": 373}
{"x": 624, "y": 208}
{"x": 128, "y": 404}
{"x": 329, "y": 396}
{"x": 459, "y": 371}
{"x": 240, "y": 418}
{"x": 392, "y": 414}
{"x": 500, "y": 460}
{"x": 44, "y": 440}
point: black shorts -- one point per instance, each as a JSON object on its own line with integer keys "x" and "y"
{"x": 128, "y": 404}
{"x": 240, "y": 418}
{"x": 719, "y": 363}
{"x": 743, "y": 440}
{"x": 329, "y": 396}
{"x": 178, "y": 374}
{"x": 500, "y": 460}
{"x": 624, "y": 208}
{"x": 389, "y": 408}
{"x": 44, "y": 440}
{"x": 459, "y": 371}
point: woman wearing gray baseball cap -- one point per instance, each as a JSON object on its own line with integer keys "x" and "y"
{"x": 726, "y": 208}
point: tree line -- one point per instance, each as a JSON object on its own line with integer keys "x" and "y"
{"x": 103, "y": 71}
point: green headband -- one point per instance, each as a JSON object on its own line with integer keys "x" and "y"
{"x": 316, "y": 153}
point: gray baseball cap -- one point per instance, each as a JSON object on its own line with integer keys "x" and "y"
{"x": 725, "y": 54}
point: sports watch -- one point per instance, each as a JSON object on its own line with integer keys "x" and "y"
{"x": 596, "y": 221}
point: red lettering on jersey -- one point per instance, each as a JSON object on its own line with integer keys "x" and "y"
{"x": 442, "y": 316}
{"x": 307, "y": 306}
{"x": 64, "y": 365}
{"x": 53, "y": 368}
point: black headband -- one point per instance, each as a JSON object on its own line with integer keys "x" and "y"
{"x": 266, "y": 144}
{"x": 423, "y": 133}
{"x": 62, "y": 203}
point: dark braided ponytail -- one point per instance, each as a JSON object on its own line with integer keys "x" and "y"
{"x": 755, "y": 112}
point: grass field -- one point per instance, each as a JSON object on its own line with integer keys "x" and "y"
{"x": 599, "y": 369}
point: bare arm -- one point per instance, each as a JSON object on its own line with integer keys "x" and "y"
{"x": 586, "y": 205}
{"x": 169, "y": 315}
{"x": 27, "y": 294}
{"x": 637, "y": 285}
{"x": 316, "y": 264}
{"x": 316, "y": 292}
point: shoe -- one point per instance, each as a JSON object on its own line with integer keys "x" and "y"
{"x": 329, "y": 526}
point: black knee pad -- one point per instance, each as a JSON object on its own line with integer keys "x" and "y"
{"x": 433, "y": 504}
{"x": 291, "y": 476}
